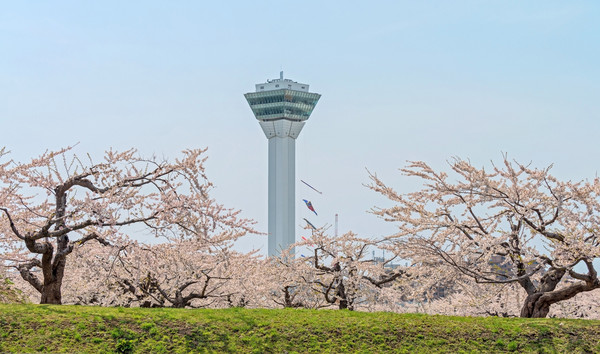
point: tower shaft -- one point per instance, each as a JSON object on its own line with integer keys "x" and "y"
{"x": 282, "y": 171}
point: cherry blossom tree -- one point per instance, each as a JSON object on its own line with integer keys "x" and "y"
{"x": 511, "y": 224}
{"x": 344, "y": 273}
{"x": 180, "y": 274}
{"x": 291, "y": 281}
{"x": 250, "y": 286}
{"x": 59, "y": 202}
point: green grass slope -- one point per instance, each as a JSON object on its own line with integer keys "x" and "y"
{"x": 44, "y": 328}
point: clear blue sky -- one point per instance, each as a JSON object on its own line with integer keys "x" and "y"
{"x": 401, "y": 80}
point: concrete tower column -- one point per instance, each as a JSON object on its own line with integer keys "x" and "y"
{"x": 282, "y": 173}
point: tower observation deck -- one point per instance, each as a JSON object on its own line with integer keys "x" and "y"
{"x": 282, "y": 107}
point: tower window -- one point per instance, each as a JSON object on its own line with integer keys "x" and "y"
{"x": 276, "y": 85}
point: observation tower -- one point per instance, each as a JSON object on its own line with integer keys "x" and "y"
{"x": 282, "y": 107}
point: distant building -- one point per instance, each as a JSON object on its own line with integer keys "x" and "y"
{"x": 379, "y": 260}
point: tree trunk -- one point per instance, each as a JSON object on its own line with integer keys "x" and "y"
{"x": 53, "y": 271}
{"x": 535, "y": 306}
{"x": 538, "y": 301}
{"x": 179, "y": 302}
{"x": 288, "y": 300}
{"x": 346, "y": 302}
{"x": 51, "y": 293}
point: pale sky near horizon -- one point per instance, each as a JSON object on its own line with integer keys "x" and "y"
{"x": 400, "y": 80}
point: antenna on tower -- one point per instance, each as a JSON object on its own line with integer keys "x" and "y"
{"x": 281, "y": 75}
{"x": 336, "y": 225}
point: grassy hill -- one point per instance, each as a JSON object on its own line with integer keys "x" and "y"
{"x": 30, "y": 328}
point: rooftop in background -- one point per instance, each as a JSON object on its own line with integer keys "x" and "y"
{"x": 281, "y": 83}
